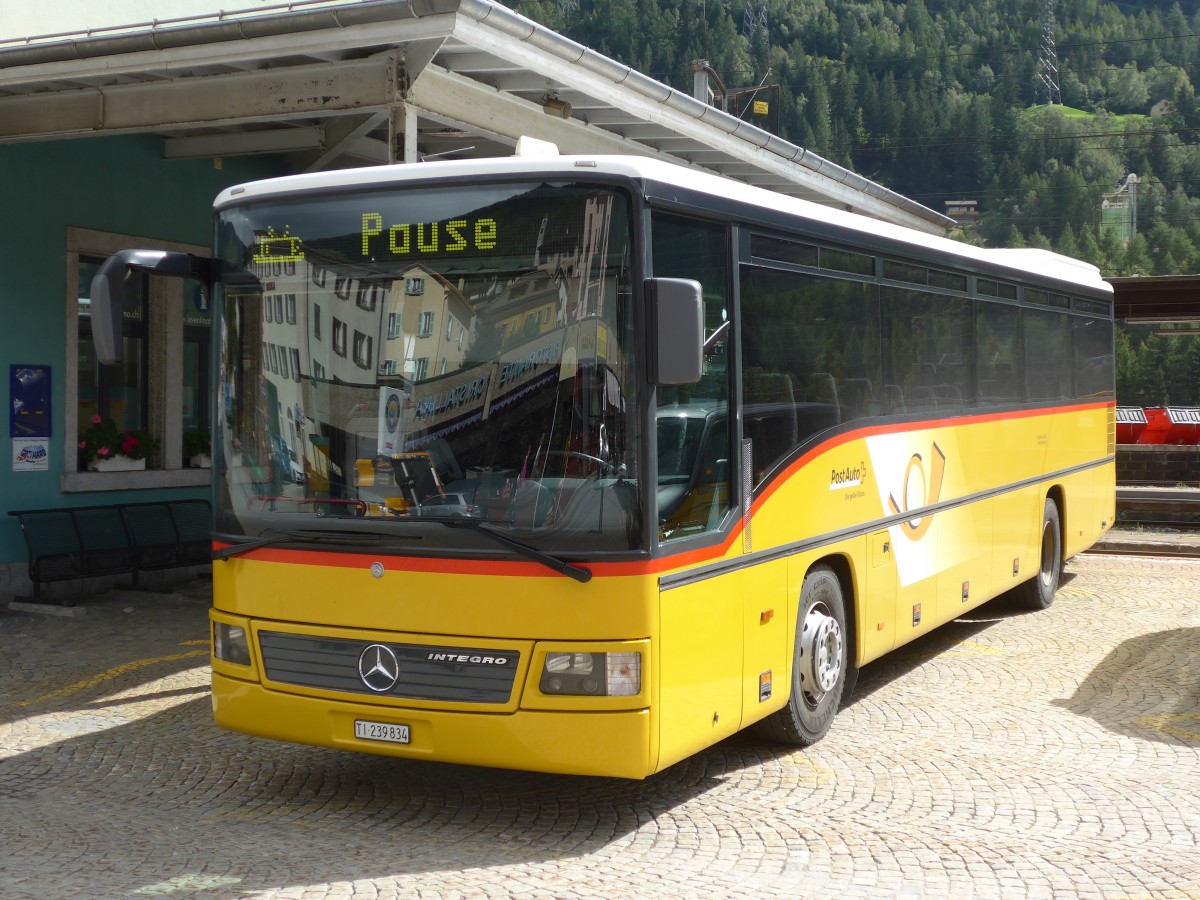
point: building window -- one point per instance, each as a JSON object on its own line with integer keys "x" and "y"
{"x": 289, "y": 307}
{"x": 318, "y": 370}
{"x": 422, "y": 369}
{"x": 414, "y": 287}
{"x": 295, "y": 364}
{"x": 393, "y": 326}
{"x": 197, "y": 377}
{"x": 341, "y": 287}
{"x": 367, "y": 295}
{"x": 316, "y": 320}
{"x": 339, "y": 337}
{"x": 362, "y": 350}
{"x": 162, "y": 385}
{"x": 279, "y": 308}
{"x": 113, "y": 392}
{"x": 318, "y": 275}
{"x": 425, "y": 325}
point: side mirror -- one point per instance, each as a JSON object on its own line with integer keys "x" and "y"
{"x": 676, "y": 317}
{"x": 108, "y": 291}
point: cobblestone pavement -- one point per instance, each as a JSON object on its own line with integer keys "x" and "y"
{"x": 1053, "y": 754}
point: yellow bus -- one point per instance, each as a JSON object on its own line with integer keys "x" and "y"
{"x": 608, "y": 459}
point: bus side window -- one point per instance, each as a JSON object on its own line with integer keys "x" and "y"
{"x": 697, "y": 503}
{"x": 810, "y": 357}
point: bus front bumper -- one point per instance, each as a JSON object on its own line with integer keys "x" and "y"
{"x": 604, "y": 743}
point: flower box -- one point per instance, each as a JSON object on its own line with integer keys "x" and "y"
{"x": 117, "y": 463}
{"x": 108, "y": 449}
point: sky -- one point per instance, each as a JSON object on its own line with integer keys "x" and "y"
{"x": 20, "y": 19}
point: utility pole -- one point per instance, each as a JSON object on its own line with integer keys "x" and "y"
{"x": 1048, "y": 58}
{"x": 754, "y": 20}
{"x": 1132, "y": 182}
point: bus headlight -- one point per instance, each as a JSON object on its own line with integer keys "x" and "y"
{"x": 592, "y": 674}
{"x": 230, "y": 643}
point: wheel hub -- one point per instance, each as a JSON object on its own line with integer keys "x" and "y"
{"x": 820, "y": 651}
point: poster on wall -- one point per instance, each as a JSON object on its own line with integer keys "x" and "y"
{"x": 31, "y": 454}
{"x": 29, "y": 387}
{"x": 29, "y": 417}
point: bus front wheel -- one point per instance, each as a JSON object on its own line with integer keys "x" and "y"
{"x": 1038, "y": 592}
{"x": 820, "y": 664}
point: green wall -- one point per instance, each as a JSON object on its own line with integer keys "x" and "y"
{"x": 114, "y": 184}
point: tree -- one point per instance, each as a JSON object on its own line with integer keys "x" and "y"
{"x": 1136, "y": 259}
{"x": 1067, "y": 245}
{"x": 817, "y": 115}
{"x": 1181, "y": 371}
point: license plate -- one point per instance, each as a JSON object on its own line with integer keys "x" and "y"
{"x": 381, "y": 731}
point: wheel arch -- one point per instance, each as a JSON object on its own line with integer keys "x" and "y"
{"x": 843, "y": 569}
{"x": 1058, "y": 495}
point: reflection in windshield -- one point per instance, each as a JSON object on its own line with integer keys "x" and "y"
{"x": 431, "y": 353}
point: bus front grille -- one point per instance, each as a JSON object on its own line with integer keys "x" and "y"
{"x": 382, "y": 669}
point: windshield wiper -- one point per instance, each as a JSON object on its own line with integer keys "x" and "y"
{"x": 301, "y": 536}
{"x": 579, "y": 573}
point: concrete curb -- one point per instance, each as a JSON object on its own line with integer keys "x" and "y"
{"x": 1181, "y": 544}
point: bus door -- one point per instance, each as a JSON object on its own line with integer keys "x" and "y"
{"x": 702, "y": 603}
{"x": 700, "y": 650}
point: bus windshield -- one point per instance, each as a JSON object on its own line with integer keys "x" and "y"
{"x": 416, "y": 356}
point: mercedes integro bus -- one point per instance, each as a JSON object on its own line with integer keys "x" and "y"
{"x": 599, "y": 460}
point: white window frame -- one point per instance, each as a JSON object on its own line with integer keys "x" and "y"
{"x": 363, "y": 346}
{"x": 426, "y": 321}
{"x": 340, "y": 336}
{"x": 164, "y": 348}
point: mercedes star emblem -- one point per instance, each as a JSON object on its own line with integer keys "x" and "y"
{"x": 378, "y": 668}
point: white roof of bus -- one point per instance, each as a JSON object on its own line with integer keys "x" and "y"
{"x": 1043, "y": 262}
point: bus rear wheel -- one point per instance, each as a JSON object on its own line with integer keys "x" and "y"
{"x": 820, "y": 664}
{"x": 1038, "y": 592}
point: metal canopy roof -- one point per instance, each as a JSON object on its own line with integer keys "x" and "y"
{"x": 338, "y": 83}
{"x": 1157, "y": 299}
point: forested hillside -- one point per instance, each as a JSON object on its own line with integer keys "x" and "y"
{"x": 941, "y": 100}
